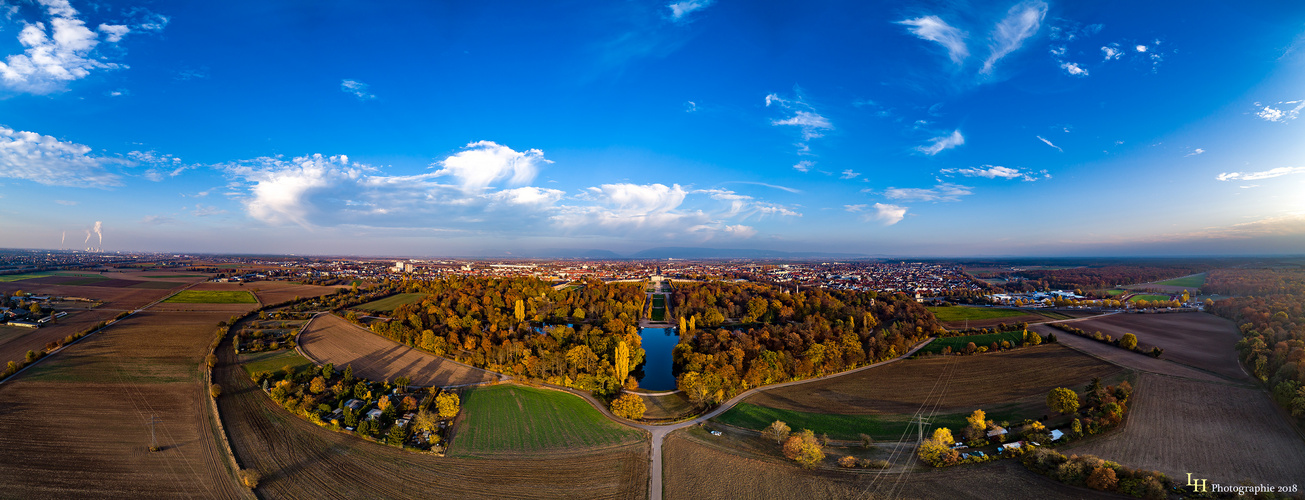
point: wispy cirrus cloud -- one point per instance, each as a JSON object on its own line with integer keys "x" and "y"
{"x": 885, "y": 213}
{"x": 1265, "y": 174}
{"x": 1049, "y": 143}
{"x": 942, "y": 143}
{"x": 934, "y": 29}
{"x": 357, "y": 89}
{"x": 1021, "y": 22}
{"x": 944, "y": 192}
{"x": 801, "y": 115}
{"x": 997, "y": 172}
{"x": 804, "y": 166}
{"x": 679, "y": 10}
{"x": 1282, "y": 113}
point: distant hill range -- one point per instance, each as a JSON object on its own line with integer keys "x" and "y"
{"x": 684, "y": 253}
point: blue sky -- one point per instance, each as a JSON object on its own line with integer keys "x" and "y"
{"x": 439, "y": 128}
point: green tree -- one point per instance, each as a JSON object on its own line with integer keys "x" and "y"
{"x": 397, "y": 435}
{"x": 448, "y": 404}
{"x": 360, "y": 390}
{"x": 348, "y": 374}
{"x": 1062, "y": 400}
{"x": 328, "y": 371}
{"x": 777, "y": 430}
{"x": 629, "y": 406}
{"x": 1128, "y": 342}
{"x": 403, "y": 382}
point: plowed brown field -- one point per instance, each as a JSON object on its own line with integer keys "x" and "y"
{"x": 16, "y": 341}
{"x": 698, "y": 470}
{"x": 331, "y": 339}
{"x": 1199, "y": 340}
{"x": 76, "y": 426}
{"x": 1223, "y": 432}
{"x": 301, "y": 460}
{"x": 1021, "y": 375}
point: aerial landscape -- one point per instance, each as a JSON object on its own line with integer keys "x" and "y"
{"x": 675, "y": 249}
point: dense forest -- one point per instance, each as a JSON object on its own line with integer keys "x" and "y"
{"x": 735, "y": 336}
{"x": 586, "y": 338}
{"x": 1271, "y": 317}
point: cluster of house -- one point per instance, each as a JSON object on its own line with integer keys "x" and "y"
{"x": 996, "y": 433}
{"x": 16, "y": 312}
{"x": 337, "y": 417}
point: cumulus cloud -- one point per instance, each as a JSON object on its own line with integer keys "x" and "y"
{"x": 46, "y": 160}
{"x": 61, "y": 49}
{"x": 357, "y": 89}
{"x": 942, "y": 192}
{"x": 1255, "y": 176}
{"x": 683, "y": 8}
{"x": 1047, "y": 142}
{"x": 889, "y": 214}
{"x": 1073, "y": 69}
{"x": 529, "y": 196}
{"x": 484, "y": 162}
{"x": 1112, "y": 52}
{"x": 934, "y": 29}
{"x": 1022, "y": 21}
{"x": 1280, "y": 114}
{"x": 941, "y": 143}
{"x": 996, "y": 172}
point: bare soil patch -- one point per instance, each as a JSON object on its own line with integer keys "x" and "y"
{"x": 275, "y": 292}
{"x": 1021, "y": 376}
{"x": 117, "y": 299}
{"x": 331, "y": 339}
{"x": 1222, "y": 432}
{"x": 301, "y": 460}
{"x": 1127, "y": 359}
{"x": 16, "y": 341}
{"x": 76, "y": 425}
{"x": 1200, "y": 340}
{"x": 698, "y": 470}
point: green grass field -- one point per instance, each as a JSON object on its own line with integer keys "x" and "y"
{"x": 274, "y": 361}
{"x": 958, "y": 343}
{"x": 846, "y": 427}
{"x": 514, "y": 419}
{"x": 177, "y": 276}
{"x": 213, "y": 297}
{"x": 1116, "y": 292}
{"x": 1148, "y": 297}
{"x": 658, "y": 308}
{"x": 392, "y": 302}
{"x": 961, "y": 313}
{"x": 1193, "y": 281}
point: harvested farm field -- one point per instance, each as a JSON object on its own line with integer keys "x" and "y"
{"x": 16, "y": 341}
{"x": 116, "y": 299}
{"x": 1199, "y": 340}
{"x": 276, "y": 292}
{"x": 1127, "y": 359}
{"x": 987, "y": 317}
{"x": 298, "y": 459}
{"x": 332, "y": 339}
{"x": 1021, "y": 375}
{"x": 698, "y": 469}
{"x": 388, "y": 304}
{"x": 518, "y": 420}
{"x": 1219, "y": 431}
{"x": 90, "y": 405}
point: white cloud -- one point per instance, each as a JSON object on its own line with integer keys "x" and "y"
{"x": 938, "y": 144}
{"x": 889, "y": 214}
{"x": 1043, "y": 139}
{"x": 810, "y": 123}
{"x": 849, "y": 174}
{"x": 994, "y": 172}
{"x": 529, "y": 196}
{"x": 159, "y": 164}
{"x": 804, "y": 166}
{"x": 484, "y": 162}
{"x": 1022, "y": 21}
{"x": 934, "y": 29}
{"x": 1195, "y": 152}
{"x": 941, "y": 192}
{"x": 1073, "y": 69}
{"x": 61, "y": 49}
{"x": 804, "y": 117}
{"x": 203, "y": 211}
{"x": 46, "y": 160}
{"x": 1282, "y": 114}
{"x": 690, "y": 106}
{"x": 1255, "y": 176}
{"x": 358, "y": 89}
{"x": 1112, "y": 51}
{"x": 686, "y": 7}
{"x": 1141, "y": 48}
{"x": 856, "y": 209}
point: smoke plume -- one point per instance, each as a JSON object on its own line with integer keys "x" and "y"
{"x": 98, "y": 233}
{"x": 88, "y": 236}
{"x": 63, "y": 238}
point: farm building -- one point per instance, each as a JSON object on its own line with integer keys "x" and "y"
{"x": 1009, "y": 447}
{"x": 1057, "y": 434}
{"x": 996, "y": 431}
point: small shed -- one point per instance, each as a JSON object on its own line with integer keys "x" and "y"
{"x": 354, "y": 404}
{"x": 1009, "y": 447}
{"x": 996, "y": 431}
{"x": 1057, "y": 434}
{"x": 374, "y": 414}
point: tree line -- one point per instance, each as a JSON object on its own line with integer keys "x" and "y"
{"x": 1271, "y": 318}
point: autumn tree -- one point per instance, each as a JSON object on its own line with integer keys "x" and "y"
{"x": 777, "y": 430}
{"x": 448, "y": 404}
{"x": 1102, "y": 478}
{"x": 629, "y": 406}
{"x": 622, "y": 360}
{"x": 1062, "y": 400}
{"x": 1128, "y": 342}
{"x": 520, "y": 310}
{"x": 425, "y": 422}
{"x": 804, "y": 449}
{"x": 977, "y": 425}
{"x": 318, "y": 385}
{"x": 937, "y": 451}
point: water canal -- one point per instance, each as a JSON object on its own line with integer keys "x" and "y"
{"x": 655, "y": 374}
